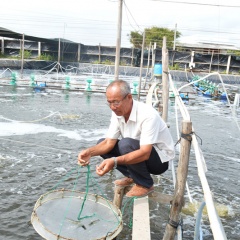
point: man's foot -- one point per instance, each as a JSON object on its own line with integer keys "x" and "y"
{"x": 124, "y": 182}
{"x": 139, "y": 191}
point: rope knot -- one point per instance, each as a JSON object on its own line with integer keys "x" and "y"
{"x": 188, "y": 136}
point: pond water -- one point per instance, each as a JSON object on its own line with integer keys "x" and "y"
{"x": 42, "y": 133}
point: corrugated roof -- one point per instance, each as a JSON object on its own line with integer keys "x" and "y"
{"x": 208, "y": 45}
{"x": 10, "y": 34}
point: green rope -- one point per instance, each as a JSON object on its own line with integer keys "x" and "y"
{"x": 67, "y": 209}
{"x": 89, "y": 176}
{"x": 65, "y": 177}
{"x": 130, "y": 210}
{"x": 85, "y": 196}
{"x": 109, "y": 205}
{"x": 96, "y": 187}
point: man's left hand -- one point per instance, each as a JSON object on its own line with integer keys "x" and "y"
{"x": 105, "y": 166}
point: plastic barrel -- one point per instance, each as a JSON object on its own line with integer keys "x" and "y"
{"x": 158, "y": 70}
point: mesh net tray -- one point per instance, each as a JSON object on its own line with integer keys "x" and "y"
{"x": 56, "y": 216}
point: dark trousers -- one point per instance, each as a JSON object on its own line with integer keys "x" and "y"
{"x": 139, "y": 172}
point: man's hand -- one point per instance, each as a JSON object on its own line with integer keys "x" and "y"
{"x": 105, "y": 166}
{"x": 84, "y": 157}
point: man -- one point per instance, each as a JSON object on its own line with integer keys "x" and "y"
{"x": 138, "y": 142}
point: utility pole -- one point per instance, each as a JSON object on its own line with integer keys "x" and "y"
{"x": 118, "y": 45}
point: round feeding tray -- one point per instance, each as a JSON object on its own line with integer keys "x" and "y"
{"x": 56, "y": 216}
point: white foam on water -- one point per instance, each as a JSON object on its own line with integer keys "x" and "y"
{"x": 18, "y": 128}
{"x": 237, "y": 159}
{"x": 60, "y": 169}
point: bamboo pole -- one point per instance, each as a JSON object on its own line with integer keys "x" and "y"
{"x": 182, "y": 172}
{"x": 165, "y": 90}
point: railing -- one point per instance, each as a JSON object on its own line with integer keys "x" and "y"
{"x": 215, "y": 222}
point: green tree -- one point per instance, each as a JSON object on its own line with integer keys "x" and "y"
{"x": 153, "y": 34}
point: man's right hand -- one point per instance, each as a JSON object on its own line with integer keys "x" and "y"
{"x": 84, "y": 157}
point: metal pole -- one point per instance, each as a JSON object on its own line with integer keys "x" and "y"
{"x": 118, "y": 45}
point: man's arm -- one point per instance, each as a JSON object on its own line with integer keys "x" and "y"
{"x": 102, "y": 148}
{"x": 136, "y": 156}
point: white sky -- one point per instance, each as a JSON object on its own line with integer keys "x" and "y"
{"x": 91, "y": 22}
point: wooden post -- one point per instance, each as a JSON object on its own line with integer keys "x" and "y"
{"x": 132, "y": 57}
{"x": 59, "y": 54}
{"x": 118, "y": 196}
{"x": 149, "y": 53}
{"x": 153, "y": 57}
{"x": 165, "y": 92}
{"x": 228, "y": 64}
{"x": 210, "y": 66}
{"x": 39, "y": 49}
{"x": 175, "y": 33}
{"x": 182, "y": 172}
{"x": 22, "y": 49}
{"x": 141, "y": 66}
{"x": 192, "y": 64}
{"x": 79, "y": 52}
{"x": 99, "y": 51}
{"x": 2, "y": 49}
{"x": 59, "y": 50}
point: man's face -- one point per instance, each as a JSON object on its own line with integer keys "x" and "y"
{"x": 119, "y": 104}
